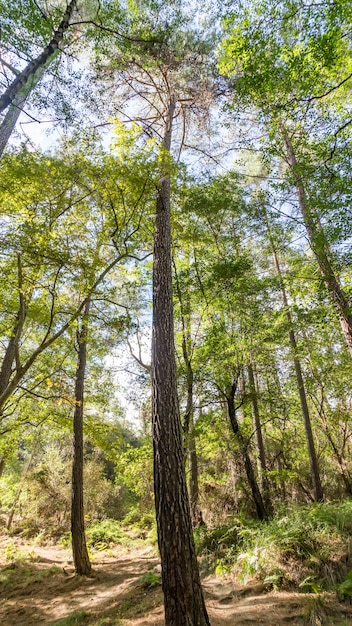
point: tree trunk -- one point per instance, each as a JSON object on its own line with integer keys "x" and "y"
{"x": 9, "y": 122}
{"x": 321, "y": 249}
{"x": 183, "y": 597}
{"x": 196, "y": 512}
{"x": 30, "y": 71}
{"x": 188, "y": 419}
{"x": 12, "y": 350}
{"x": 49, "y": 339}
{"x": 257, "y": 496}
{"x": 262, "y": 469}
{"x": 79, "y": 547}
{"x": 313, "y": 461}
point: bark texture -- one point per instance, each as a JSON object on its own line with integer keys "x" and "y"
{"x": 79, "y": 547}
{"x": 183, "y": 596}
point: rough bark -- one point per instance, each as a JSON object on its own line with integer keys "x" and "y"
{"x": 313, "y": 461}
{"x": 321, "y": 249}
{"x": 29, "y": 72}
{"x": 183, "y": 597}
{"x": 256, "y": 494}
{"x": 79, "y": 547}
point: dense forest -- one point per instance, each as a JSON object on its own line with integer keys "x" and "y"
{"x": 175, "y": 271}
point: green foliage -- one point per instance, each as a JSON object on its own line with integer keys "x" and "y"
{"x": 22, "y": 571}
{"x": 44, "y": 504}
{"x": 295, "y": 549}
{"x": 344, "y": 588}
{"x": 151, "y": 579}
{"x": 105, "y": 532}
{"x": 134, "y": 468}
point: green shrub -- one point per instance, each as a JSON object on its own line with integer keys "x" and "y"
{"x": 105, "y": 532}
{"x": 151, "y": 579}
{"x": 308, "y": 546}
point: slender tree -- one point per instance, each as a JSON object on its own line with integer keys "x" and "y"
{"x": 79, "y": 547}
{"x": 313, "y": 461}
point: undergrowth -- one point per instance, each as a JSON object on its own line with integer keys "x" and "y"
{"x": 307, "y": 547}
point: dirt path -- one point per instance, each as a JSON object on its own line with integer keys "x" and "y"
{"x": 38, "y": 586}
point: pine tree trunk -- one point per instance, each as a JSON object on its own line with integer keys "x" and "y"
{"x": 183, "y": 597}
{"x": 29, "y": 73}
{"x": 321, "y": 249}
{"x": 313, "y": 461}
{"x": 79, "y": 547}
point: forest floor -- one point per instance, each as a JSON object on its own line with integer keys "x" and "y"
{"x": 38, "y": 586}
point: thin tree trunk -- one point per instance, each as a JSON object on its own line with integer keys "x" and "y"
{"x": 196, "y": 512}
{"x": 79, "y": 547}
{"x": 256, "y": 494}
{"x": 262, "y": 469}
{"x": 183, "y": 597}
{"x": 9, "y": 122}
{"x": 30, "y": 71}
{"x": 49, "y": 339}
{"x": 320, "y": 248}
{"x": 313, "y": 461}
{"x": 188, "y": 420}
{"x": 12, "y": 350}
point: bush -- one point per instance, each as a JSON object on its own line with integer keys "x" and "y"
{"x": 103, "y": 533}
{"x": 308, "y": 547}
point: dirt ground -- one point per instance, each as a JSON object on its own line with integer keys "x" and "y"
{"x": 38, "y": 586}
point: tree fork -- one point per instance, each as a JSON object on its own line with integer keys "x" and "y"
{"x": 257, "y": 496}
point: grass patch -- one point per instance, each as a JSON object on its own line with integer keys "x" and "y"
{"x": 77, "y": 617}
{"x": 20, "y": 575}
